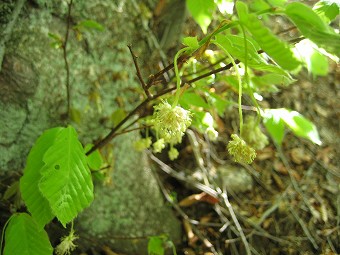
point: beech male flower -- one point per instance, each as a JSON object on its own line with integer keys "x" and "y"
{"x": 158, "y": 146}
{"x": 239, "y": 149}
{"x": 66, "y": 246}
{"x": 171, "y": 122}
{"x": 173, "y": 153}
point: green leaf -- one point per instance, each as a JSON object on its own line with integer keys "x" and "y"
{"x": 202, "y": 12}
{"x": 277, "y": 49}
{"x": 274, "y": 125}
{"x": 217, "y": 102}
{"x": 192, "y": 99}
{"x": 191, "y": 42}
{"x": 24, "y": 237}
{"x": 266, "y": 81}
{"x": 156, "y": 245}
{"x": 12, "y": 190}
{"x": 94, "y": 160}
{"x": 294, "y": 121}
{"x": 235, "y": 45}
{"x": 66, "y": 179}
{"x": 313, "y": 27}
{"x": 117, "y": 116}
{"x": 316, "y": 63}
{"x": 89, "y": 24}
{"x": 327, "y": 9}
{"x": 36, "y": 203}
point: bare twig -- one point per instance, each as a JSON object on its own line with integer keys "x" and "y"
{"x": 64, "y": 47}
{"x": 139, "y": 75}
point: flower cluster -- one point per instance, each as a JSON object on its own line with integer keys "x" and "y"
{"x": 240, "y": 150}
{"x": 171, "y": 122}
{"x": 66, "y": 246}
{"x": 253, "y": 135}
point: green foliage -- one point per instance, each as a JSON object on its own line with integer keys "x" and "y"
{"x": 66, "y": 180}
{"x": 275, "y": 120}
{"x": 89, "y": 25}
{"x": 157, "y": 245}
{"x": 36, "y": 203}
{"x": 56, "y": 181}
{"x": 202, "y": 12}
{"x": 313, "y": 27}
{"x": 94, "y": 160}
{"x": 271, "y": 44}
{"x": 24, "y": 236}
{"x": 327, "y": 9}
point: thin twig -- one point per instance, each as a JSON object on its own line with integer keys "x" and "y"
{"x": 64, "y": 47}
{"x": 139, "y": 75}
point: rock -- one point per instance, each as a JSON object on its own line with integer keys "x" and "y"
{"x": 102, "y": 79}
{"x": 235, "y": 178}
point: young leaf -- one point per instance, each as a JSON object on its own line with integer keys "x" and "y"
{"x": 94, "y": 160}
{"x": 36, "y": 203}
{"x": 24, "y": 237}
{"x": 191, "y": 42}
{"x": 156, "y": 245}
{"x": 66, "y": 179}
{"x": 202, "y": 11}
{"x": 89, "y": 24}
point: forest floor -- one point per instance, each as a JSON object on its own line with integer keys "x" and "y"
{"x": 294, "y": 205}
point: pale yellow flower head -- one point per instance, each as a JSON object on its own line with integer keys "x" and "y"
{"x": 171, "y": 122}
{"x": 173, "y": 153}
{"x": 239, "y": 149}
{"x": 253, "y": 135}
{"x": 159, "y": 145}
{"x": 66, "y": 246}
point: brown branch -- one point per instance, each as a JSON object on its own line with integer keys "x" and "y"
{"x": 67, "y": 68}
{"x": 139, "y": 75}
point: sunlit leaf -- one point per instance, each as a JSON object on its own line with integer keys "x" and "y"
{"x": 36, "y": 203}
{"x": 273, "y": 119}
{"x": 66, "y": 179}
{"x": 313, "y": 27}
{"x": 274, "y": 126}
{"x": 202, "y": 12}
{"x": 277, "y": 49}
{"x": 327, "y": 9}
{"x": 24, "y": 237}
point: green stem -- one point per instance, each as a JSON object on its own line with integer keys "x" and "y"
{"x": 178, "y": 79}
{"x": 239, "y": 85}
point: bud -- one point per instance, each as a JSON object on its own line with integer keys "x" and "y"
{"x": 142, "y": 144}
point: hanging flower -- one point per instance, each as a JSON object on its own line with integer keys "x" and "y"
{"x": 159, "y": 145}
{"x": 239, "y": 149}
{"x": 171, "y": 122}
{"x": 142, "y": 144}
{"x": 66, "y": 246}
{"x": 173, "y": 153}
{"x": 253, "y": 135}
